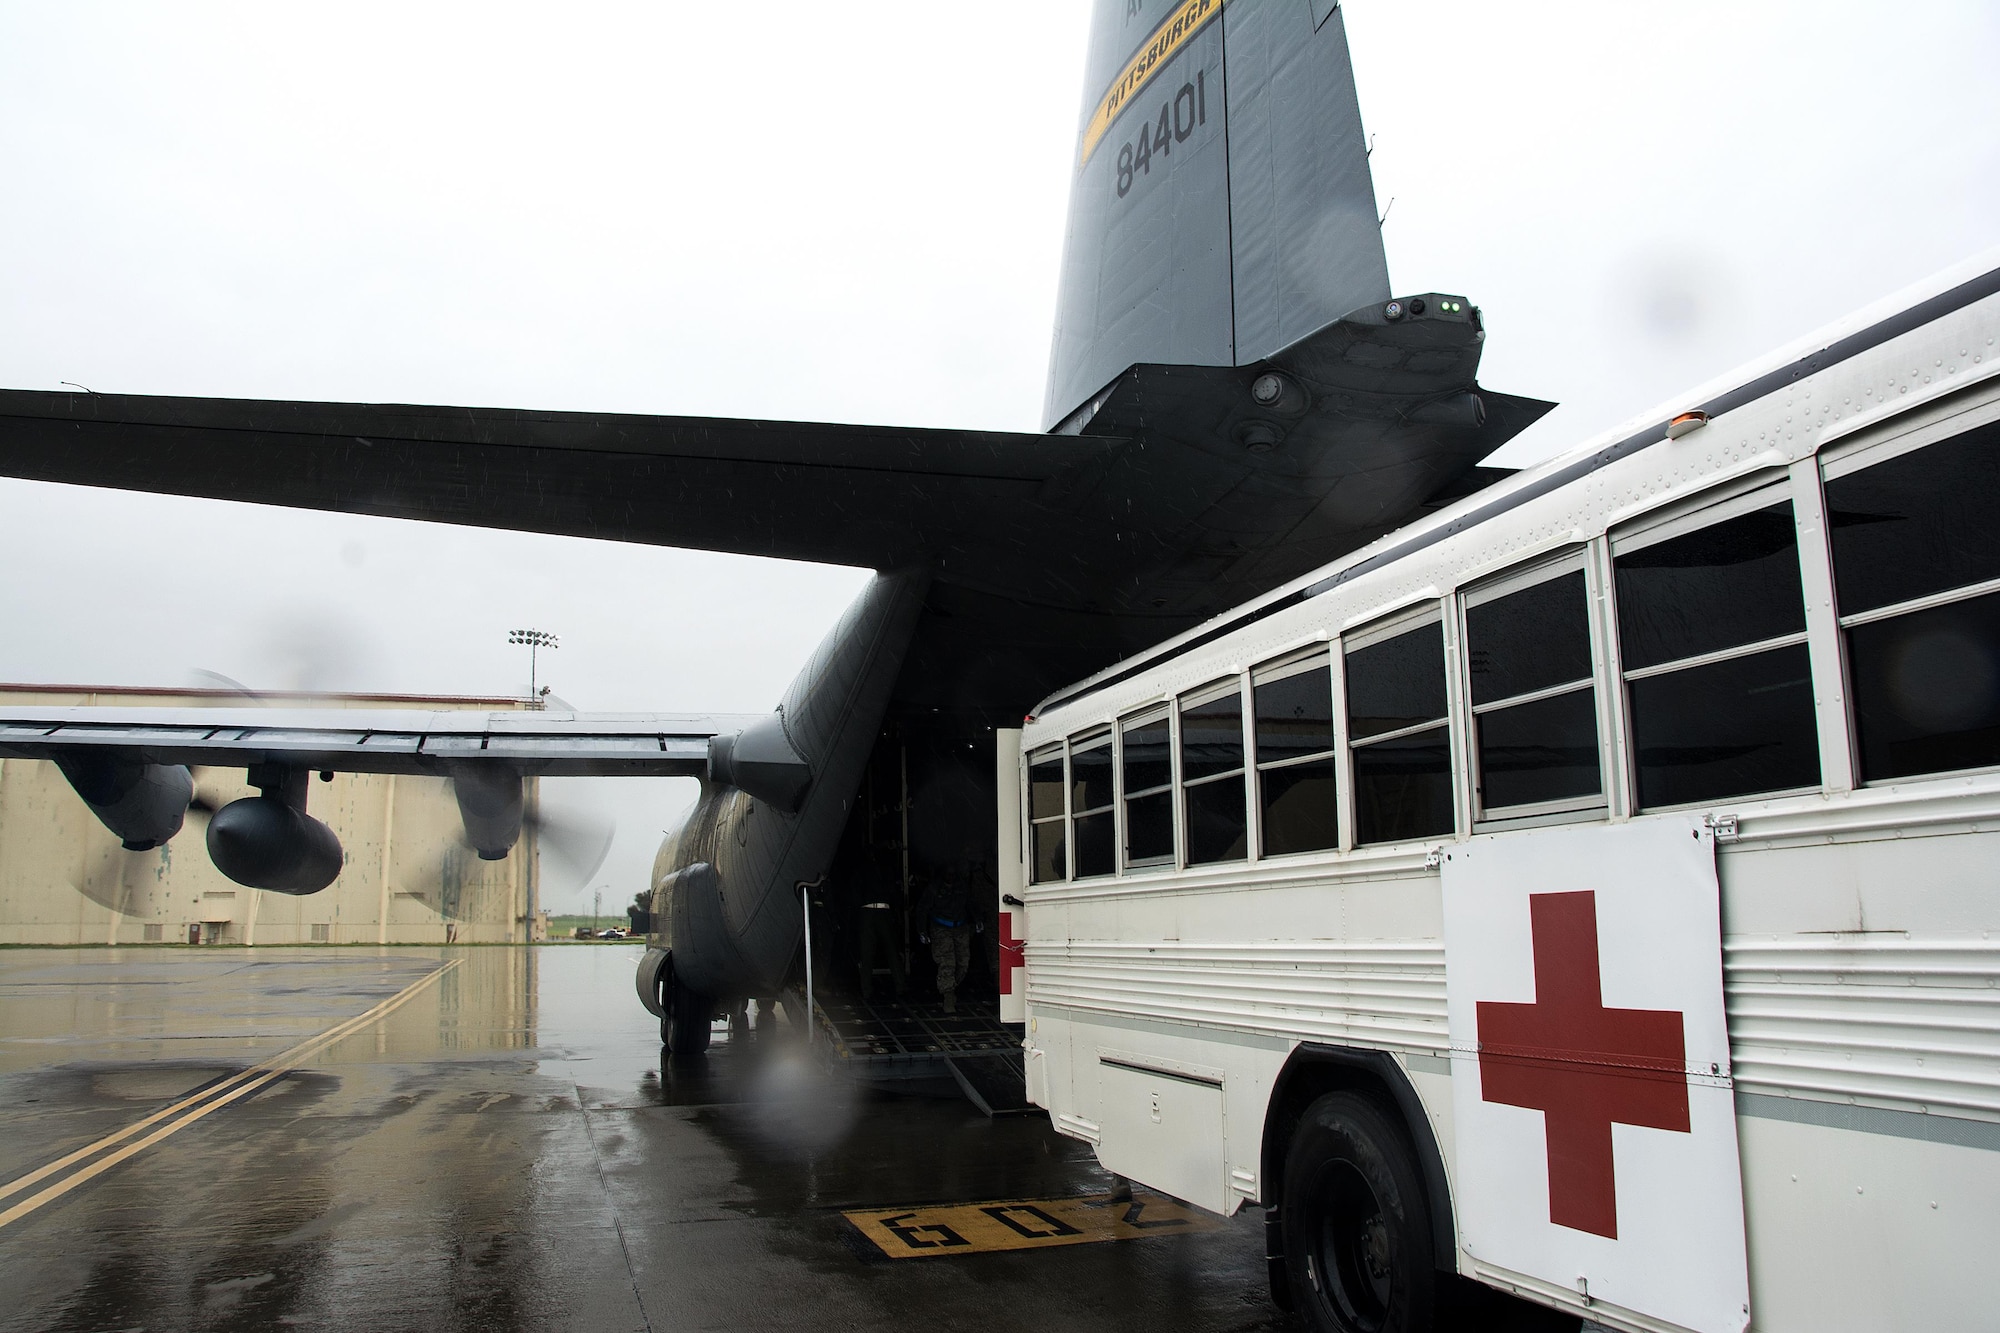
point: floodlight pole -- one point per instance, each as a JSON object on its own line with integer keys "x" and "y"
{"x": 535, "y": 640}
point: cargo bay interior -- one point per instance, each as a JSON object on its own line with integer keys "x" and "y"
{"x": 921, "y": 837}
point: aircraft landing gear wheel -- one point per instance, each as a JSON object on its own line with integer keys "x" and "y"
{"x": 1357, "y": 1225}
{"x": 684, "y": 1031}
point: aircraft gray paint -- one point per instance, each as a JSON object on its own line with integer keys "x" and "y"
{"x": 1201, "y": 239}
{"x": 1233, "y": 401}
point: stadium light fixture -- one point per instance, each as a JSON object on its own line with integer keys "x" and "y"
{"x": 535, "y": 640}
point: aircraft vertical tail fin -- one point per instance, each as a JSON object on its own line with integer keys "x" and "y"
{"x": 1222, "y": 207}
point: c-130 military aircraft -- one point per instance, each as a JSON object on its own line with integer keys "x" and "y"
{"x": 1235, "y": 397}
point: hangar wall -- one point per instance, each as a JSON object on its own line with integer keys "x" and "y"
{"x": 407, "y": 878}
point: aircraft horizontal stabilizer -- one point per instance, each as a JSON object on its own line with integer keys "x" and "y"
{"x": 1172, "y": 493}
{"x": 873, "y": 497}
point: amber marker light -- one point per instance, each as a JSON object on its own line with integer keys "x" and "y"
{"x": 1686, "y": 422}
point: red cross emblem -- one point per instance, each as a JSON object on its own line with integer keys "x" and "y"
{"x": 1584, "y": 1067}
{"x": 1013, "y": 953}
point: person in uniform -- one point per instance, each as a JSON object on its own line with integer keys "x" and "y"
{"x": 985, "y": 897}
{"x": 947, "y": 921}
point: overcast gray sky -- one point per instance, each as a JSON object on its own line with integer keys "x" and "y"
{"x": 844, "y": 213}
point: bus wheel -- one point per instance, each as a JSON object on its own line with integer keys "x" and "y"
{"x": 1357, "y": 1229}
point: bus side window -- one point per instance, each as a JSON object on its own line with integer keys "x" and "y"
{"x": 1293, "y": 703}
{"x": 1090, "y": 803}
{"x": 1401, "y": 749}
{"x": 1212, "y": 774}
{"x": 1916, "y": 556}
{"x": 1048, "y": 815}
{"x": 1534, "y": 705}
{"x": 1712, "y": 632}
{"x": 1146, "y": 784}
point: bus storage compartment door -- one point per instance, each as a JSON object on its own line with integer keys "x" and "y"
{"x": 1162, "y": 1126}
{"x": 1035, "y": 1075}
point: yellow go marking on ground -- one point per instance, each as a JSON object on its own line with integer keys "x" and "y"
{"x": 1024, "y": 1224}
{"x": 196, "y": 1106}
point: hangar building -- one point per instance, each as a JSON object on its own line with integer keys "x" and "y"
{"x": 408, "y": 879}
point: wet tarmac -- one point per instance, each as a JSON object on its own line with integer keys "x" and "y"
{"x": 484, "y": 1139}
{"x": 499, "y": 1149}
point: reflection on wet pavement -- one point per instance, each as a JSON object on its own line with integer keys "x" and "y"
{"x": 503, "y": 1150}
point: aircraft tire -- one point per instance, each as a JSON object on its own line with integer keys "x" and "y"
{"x": 651, "y": 978}
{"x": 1356, "y": 1222}
{"x": 663, "y": 999}
{"x": 685, "y": 1028}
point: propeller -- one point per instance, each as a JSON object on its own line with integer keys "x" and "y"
{"x": 575, "y": 842}
{"x": 310, "y": 649}
{"x": 579, "y": 842}
{"x": 111, "y": 889}
{"x": 215, "y": 680}
{"x": 204, "y": 803}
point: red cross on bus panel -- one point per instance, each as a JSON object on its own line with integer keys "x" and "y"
{"x": 1593, "y": 1124}
{"x": 1013, "y": 953}
{"x": 1584, "y": 1067}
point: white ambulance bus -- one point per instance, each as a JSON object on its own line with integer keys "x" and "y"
{"x": 1592, "y": 890}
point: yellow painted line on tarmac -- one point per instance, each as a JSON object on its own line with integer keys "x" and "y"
{"x": 1024, "y": 1224}
{"x": 203, "y": 1102}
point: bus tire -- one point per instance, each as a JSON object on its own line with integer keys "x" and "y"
{"x": 1357, "y": 1226}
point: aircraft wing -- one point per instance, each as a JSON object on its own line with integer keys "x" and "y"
{"x": 395, "y": 740}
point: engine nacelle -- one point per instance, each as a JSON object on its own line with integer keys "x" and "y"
{"x": 489, "y": 803}
{"x": 142, "y": 803}
{"x": 264, "y": 842}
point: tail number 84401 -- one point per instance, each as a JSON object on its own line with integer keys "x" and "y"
{"x": 1178, "y": 118}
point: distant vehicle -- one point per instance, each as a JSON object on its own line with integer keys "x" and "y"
{"x": 583, "y": 933}
{"x": 613, "y": 933}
